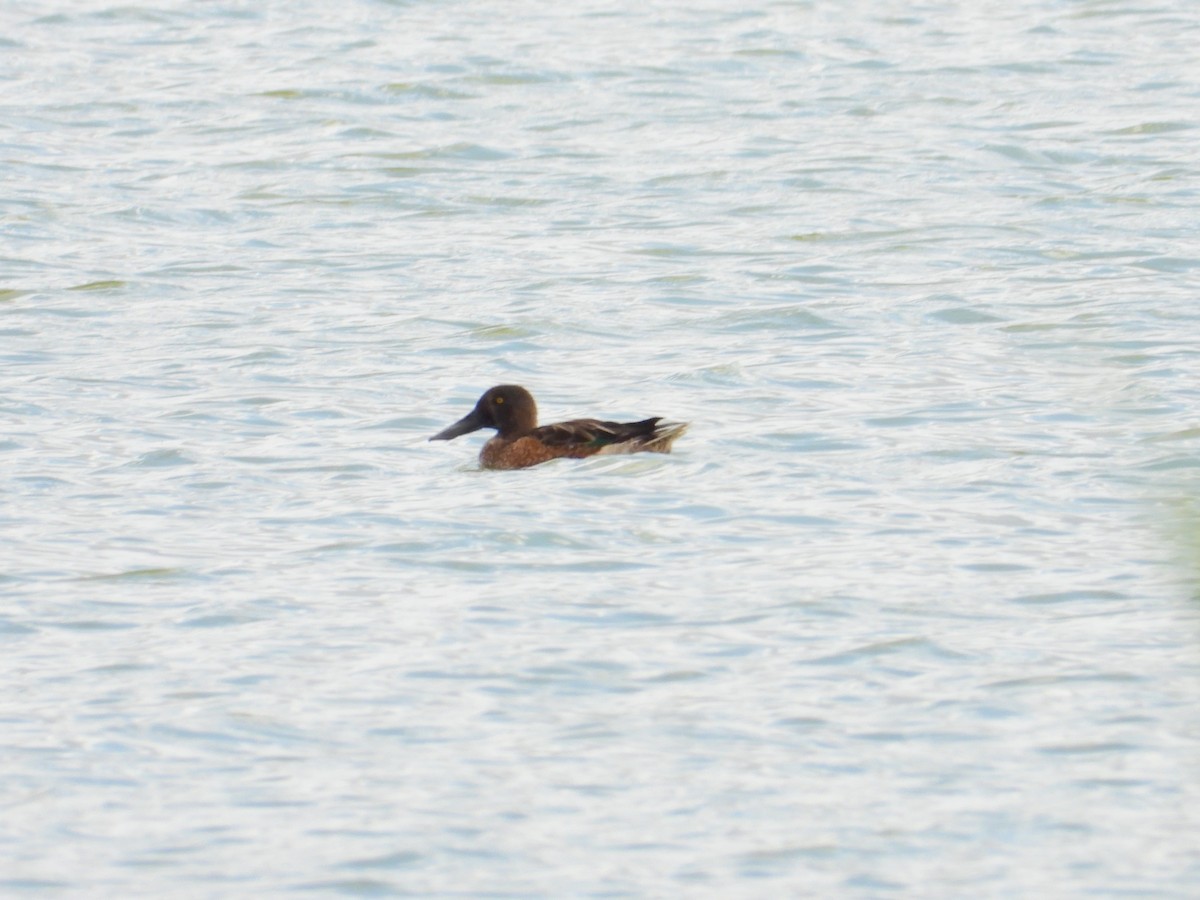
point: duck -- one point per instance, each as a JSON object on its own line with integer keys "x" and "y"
{"x": 520, "y": 442}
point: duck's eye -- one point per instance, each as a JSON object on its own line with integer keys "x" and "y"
{"x": 499, "y": 399}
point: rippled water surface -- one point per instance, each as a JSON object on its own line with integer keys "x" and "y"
{"x": 912, "y": 609}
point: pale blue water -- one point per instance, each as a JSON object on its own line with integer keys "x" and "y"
{"x": 911, "y": 611}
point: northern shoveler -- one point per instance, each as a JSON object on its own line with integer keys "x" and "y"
{"x": 510, "y": 409}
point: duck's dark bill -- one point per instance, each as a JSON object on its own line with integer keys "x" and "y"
{"x": 468, "y": 423}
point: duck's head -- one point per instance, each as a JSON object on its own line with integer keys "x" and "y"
{"x": 508, "y": 408}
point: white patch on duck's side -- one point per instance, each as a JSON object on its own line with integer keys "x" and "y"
{"x": 619, "y": 449}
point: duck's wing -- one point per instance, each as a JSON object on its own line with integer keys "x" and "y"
{"x": 594, "y": 436}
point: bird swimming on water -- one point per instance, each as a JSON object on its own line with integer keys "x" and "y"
{"x": 519, "y": 442}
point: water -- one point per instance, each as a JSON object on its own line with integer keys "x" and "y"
{"x": 912, "y": 608}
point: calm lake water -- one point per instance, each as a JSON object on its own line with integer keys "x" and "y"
{"x": 913, "y": 609}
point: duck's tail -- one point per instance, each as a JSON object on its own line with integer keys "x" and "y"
{"x": 663, "y": 436}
